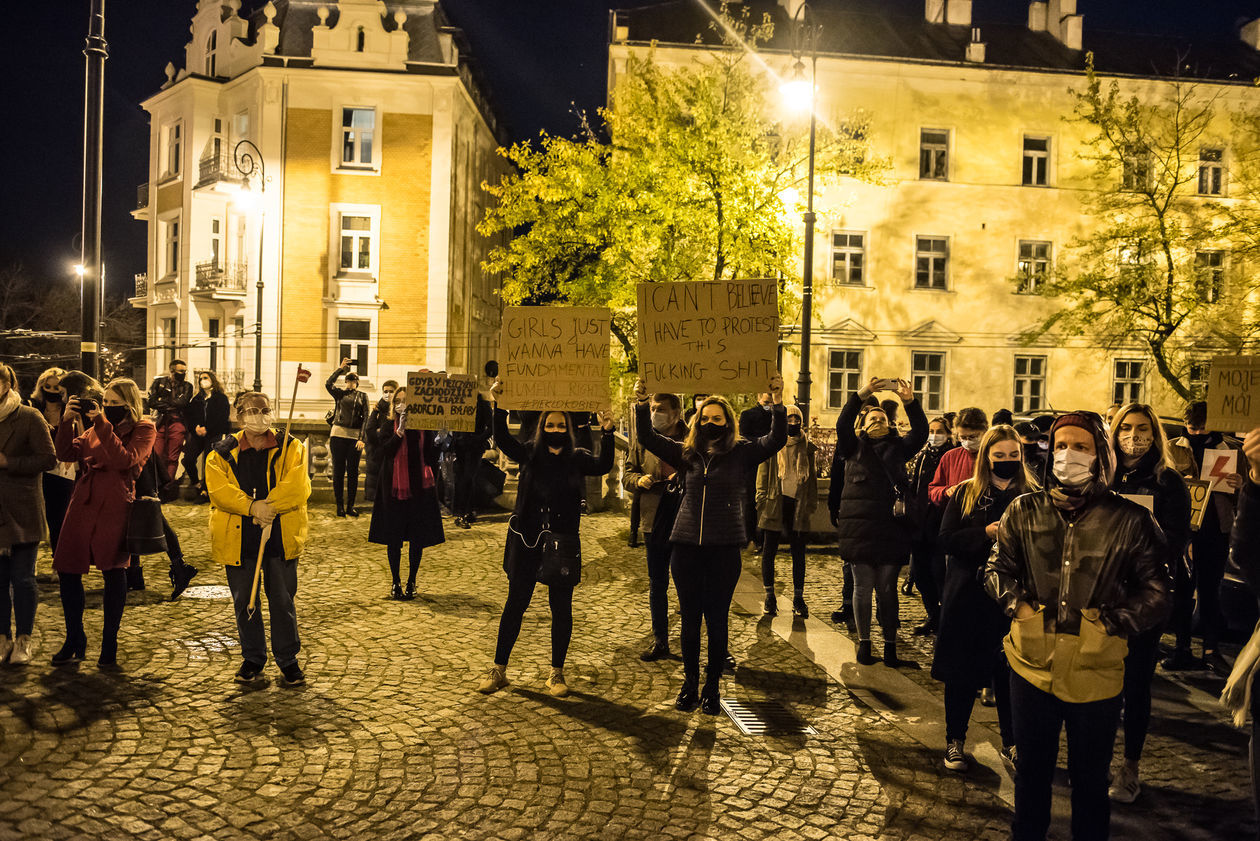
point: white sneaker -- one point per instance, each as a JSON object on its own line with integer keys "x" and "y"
{"x": 6, "y": 646}
{"x": 21, "y": 654}
{"x": 1125, "y": 785}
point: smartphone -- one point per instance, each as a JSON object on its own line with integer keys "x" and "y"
{"x": 87, "y": 405}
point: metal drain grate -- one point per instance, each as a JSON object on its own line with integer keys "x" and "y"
{"x": 765, "y": 718}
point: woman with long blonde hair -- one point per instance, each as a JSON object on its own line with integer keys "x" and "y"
{"x": 110, "y": 453}
{"x": 968, "y": 654}
{"x": 787, "y": 494}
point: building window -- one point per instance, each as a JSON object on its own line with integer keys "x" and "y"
{"x": 1127, "y": 381}
{"x": 931, "y": 262}
{"x": 844, "y": 376}
{"x": 1132, "y": 256}
{"x": 1198, "y": 376}
{"x": 213, "y": 331}
{"x": 358, "y": 127}
{"x": 927, "y": 371}
{"x": 1209, "y": 274}
{"x": 356, "y": 243}
{"x": 1034, "y": 265}
{"x": 848, "y": 257}
{"x": 212, "y": 45}
{"x": 934, "y": 154}
{"x": 1036, "y": 161}
{"x": 1136, "y": 169}
{"x": 216, "y": 242}
{"x": 169, "y": 340}
{"x": 1211, "y": 172}
{"x": 360, "y": 40}
{"x": 240, "y": 125}
{"x": 353, "y": 337}
{"x": 1030, "y": 384}
{"x": 174, "y": 143}
{"x": 170, "y": 253}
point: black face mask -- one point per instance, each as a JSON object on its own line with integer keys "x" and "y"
{"x": 556, "y": 439}
{"x": 794, "y": 429}
{"x": 52, "y": 396}
{"x": 1006, "y": 469}
{"x": 1030, "y": 451}
{"x": 178, "y": 377}
{"x": 116, "y": 414}
{"x": 711, "y": 431}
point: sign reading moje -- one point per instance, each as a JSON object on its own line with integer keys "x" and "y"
{"x": 1233, "y": 394}
{"x": 554, "y": 358}
{"x": 441, "y": 401}
{"x": 708, "y": 336}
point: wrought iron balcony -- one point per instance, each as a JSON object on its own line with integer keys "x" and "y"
{"x": 214, "y": 169}
{"x": 220, "y": 279}
{"x": 142, "y": 196}
{"x": 141, "y": 299}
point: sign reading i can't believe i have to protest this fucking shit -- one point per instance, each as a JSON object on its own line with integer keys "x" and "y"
{"x": 714, "y": 337}
{"x": 554, "y": 358}
{"x": 1233, "y": 393}
{"x": 438, "y": 401}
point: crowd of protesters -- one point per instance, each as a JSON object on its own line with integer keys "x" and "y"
{"x": 1050, "y": 554}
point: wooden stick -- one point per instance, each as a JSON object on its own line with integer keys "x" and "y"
{"x": 266, "y": 533}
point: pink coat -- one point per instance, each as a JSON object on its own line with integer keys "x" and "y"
{"x": 95, "y": 529}
{"x": 956, "y": 466}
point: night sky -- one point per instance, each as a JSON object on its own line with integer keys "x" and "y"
{"x": 542, "y": 58}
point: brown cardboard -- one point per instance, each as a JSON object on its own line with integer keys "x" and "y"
{"x": 554, "y": 358}
{"x": 438, "y": 401}
{"x": 1233, "y": 393}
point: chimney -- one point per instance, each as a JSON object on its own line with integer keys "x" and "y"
{"x": 1059, "y": 18}
{"x": 975, "y": 50}
{"x": 934, "y": 11}
{"x": 1037, "y": 16}
{"x": 958, "y": 12}
{"x": 1250, "y": 34}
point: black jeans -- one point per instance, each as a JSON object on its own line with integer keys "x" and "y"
{"x": 1038, "y": 719}
{"x": 705, "y": 578}
{"x": 796, "y": 541}
{"x": 17, "y": 569}
{"x": 1211, "y": 547}
{"x": 960, "y": 700}
{"x": 345, "y": 465}
{"x": 1139, "y": 671}
{"x": 520, "y": 593}
{"x": 57, "y": 492}
{"x": 467, "y": 462}
{"x": 927, "y": 571}
{"x": 658, "y": 588}
{"x": 73, "y": 601}
{"x": 414, "y": 552}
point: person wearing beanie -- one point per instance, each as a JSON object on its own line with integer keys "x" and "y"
{"x": 348, "y": 421}
{"x": 1079, "y": 570}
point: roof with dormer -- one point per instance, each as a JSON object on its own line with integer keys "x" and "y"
{"x": 297, "y": 18}
{"x": 897, "y": 29}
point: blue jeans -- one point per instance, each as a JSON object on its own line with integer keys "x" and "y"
{"x": 280, "y": 584}
{"x": 17, "y": 569}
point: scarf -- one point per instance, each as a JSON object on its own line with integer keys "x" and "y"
{"x": 1237, "y": 695}
{"x": 1070, "y": 499}
{"x": 9, "y": 404}
{"x": 401, "y": 488}
{"x": 794, "y": 458}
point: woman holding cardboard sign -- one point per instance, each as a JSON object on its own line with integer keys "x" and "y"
{"x": 542, "y": 542}
{"x": 710, "y": 528}
{"x": 406, "y": 508}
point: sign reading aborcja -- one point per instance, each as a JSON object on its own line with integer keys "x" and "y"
{"x": 438, "y": 401}
{"x": 555, "y": 358}
{"x": 719, "y": 337}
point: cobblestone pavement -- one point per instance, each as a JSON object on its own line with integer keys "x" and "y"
{"x": 388, "y": 739}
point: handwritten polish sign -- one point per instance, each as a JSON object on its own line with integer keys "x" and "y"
{"x": 1233, "y": 393}
{"x": 1217, "y": 465}
{"x": 440, "y": 401}
{"x": 708, "y": 336}
{"x": 555, "y": 358}
{"x": 1200, "y": 491}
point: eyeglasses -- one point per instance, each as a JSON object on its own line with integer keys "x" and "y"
{"x": 253, "y": 411}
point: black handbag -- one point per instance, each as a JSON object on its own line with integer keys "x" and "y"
{"x": 667, "y": 512}
{"x": 145, "y": 535}
{"x": 561, "y": 563}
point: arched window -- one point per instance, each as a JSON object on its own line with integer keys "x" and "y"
{"x": 212, "y": 44}
{"x": 360, "y": 40}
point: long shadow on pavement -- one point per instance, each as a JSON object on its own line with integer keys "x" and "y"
{"x": 90, "y": 695}
{"x": 653, "y": 735}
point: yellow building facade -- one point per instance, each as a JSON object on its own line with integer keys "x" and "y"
{"x": 917, "y": 278}
{"x": 374, "y": 136}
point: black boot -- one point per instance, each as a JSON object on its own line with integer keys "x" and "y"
{"x": 710, "y": 697}
{"x": 891, "y": 660}
{"x": 864, "y": 653}
{"x": 351, "y": 493}
{"x": 341, "y": 511}
{"x": 688, "y": 698}
{"x": 181, "y": 575}
{"x": 72, "y": 650}
{"x": 135, "y": 577}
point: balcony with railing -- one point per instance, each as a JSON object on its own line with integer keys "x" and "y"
{"x": 220, "y": 281}
{"x": 141, "y": 299}
{"x": 216, "y": 169}
{"x": 141, "y": 210}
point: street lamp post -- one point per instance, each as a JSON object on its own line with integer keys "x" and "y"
{"x": 248, "y": 160}
{"x": 95, "y": 51}
{"x": 805, "y": 38}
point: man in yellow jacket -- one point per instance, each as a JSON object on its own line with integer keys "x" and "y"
{"x": 254, "y": 479}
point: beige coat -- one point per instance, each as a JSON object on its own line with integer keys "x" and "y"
{"x": 640, "y": 463}
{"x": 28, "y": 452}
{"x": 770, "y": 492}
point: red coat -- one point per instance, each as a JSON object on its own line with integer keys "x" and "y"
{"x": 109, "y": 459}
{"x": 956, "y": 466}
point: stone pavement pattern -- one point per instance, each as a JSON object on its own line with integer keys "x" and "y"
{"x": 388, "y": 739}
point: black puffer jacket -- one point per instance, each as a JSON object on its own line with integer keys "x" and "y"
{"x": 1148, "y": 477}
{"x": 372, "y": 450}
{"x": 867, "y": 530}
{"x": 351, "y": 407}
{"x": 713, "y": 506}
{"x": 919, "y": 473}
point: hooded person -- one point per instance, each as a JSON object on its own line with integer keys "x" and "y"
{"x": 1079, "y": 570}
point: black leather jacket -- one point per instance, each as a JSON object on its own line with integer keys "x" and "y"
{"x": 1109, "y": 557}
{"x": 351, "y": 407}
{"x": 169, "y": 399}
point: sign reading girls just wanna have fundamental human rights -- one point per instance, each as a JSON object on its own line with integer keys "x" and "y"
{"x": 713, "y": 337}
{"x": 554, "y": 358}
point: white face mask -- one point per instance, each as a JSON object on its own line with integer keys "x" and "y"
{"x": 937, "y": 439}
{"x": 258, "y": 424}
{"x": 1073, "y": 468}
{"x": 971, "y": 445}
{"x": 661, "y": 421}
{"x": 1135, "y": 444}
{"x": 1043, "y": 445}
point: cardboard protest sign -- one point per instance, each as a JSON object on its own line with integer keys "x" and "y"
{"x": 1200, "y": 491}
{"x": 708, "y": 336}
{"x": 1233, "y": 393}
{"x": 438, "y": 401}
{"x": 1217, "y": 464}
{"x": 1145, "y": 500}
{"x": 554, "y": 358}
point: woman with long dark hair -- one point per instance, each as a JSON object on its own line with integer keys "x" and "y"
{"x": 1146, "y": 473}
{"x": 969, "y": 654}
{"x": 118, "y": 441}
{"x": 710, "y": 528}
{"x": 208, "y": 424}
{"x": 927, "y": 561}
{"x": 406, "y": 506}
{"x": 49, "y": 399}
{"x": 548, "y": 502}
